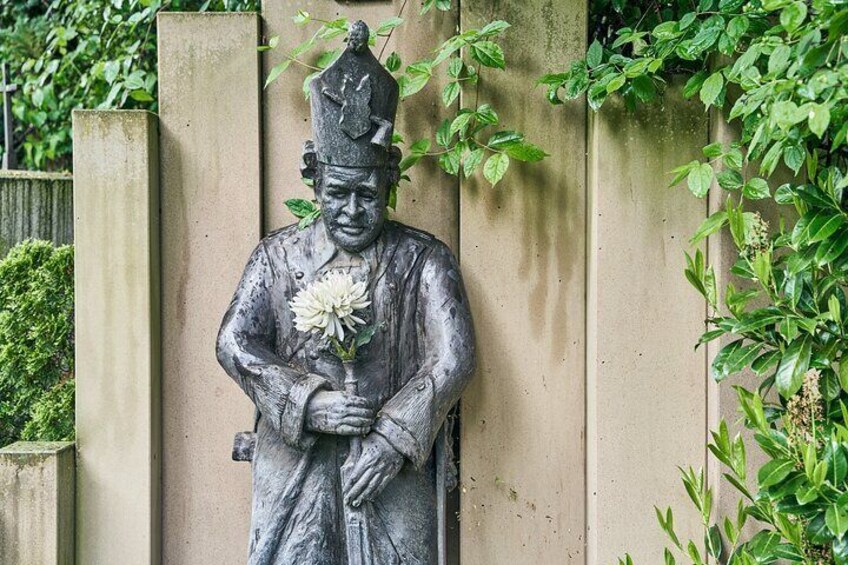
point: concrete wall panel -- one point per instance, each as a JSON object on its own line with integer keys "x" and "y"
{"x": 646, "y": 408}
{"x": 35, "y": 205}
{"x": 116, "y": 203}
{"x": 211, "y": 205}
{"x": 37, "y": 503}
{"x": 523, "y": 259}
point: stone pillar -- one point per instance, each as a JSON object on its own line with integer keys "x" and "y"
{"x": 37, "y": 503}
{"x": 116, "y": 204}
{"x": 646, "y": 386}
{"x": 209, "y": 102}
{"x": 523, "y": 255}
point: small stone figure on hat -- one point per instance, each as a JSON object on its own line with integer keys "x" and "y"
{"x": 347, "y": 476}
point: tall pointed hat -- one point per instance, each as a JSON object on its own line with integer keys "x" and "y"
{"x": 354, "y": 102}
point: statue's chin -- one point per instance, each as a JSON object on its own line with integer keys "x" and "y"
{"x": 353, "y": 242}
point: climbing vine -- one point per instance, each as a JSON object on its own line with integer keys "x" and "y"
{"x": 778, "y": 69}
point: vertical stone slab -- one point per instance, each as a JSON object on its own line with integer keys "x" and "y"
{"x": 646, "y": 387}
{"x": 116, "y": 206}
{"x": 523, "y": 260}
{"x": 430, "y": 201}
{"x": 211, "y": 204}
{"x": 37, "y": 503}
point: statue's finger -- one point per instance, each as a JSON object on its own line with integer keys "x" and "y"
{"x": 360, "y": 412}
{"x": 352, "y": 400}
{"x": 358, "y": 482}
{"x": 357, "y": 421}
{"x": 352, "y": 430}
{"x": 368, "y": 490}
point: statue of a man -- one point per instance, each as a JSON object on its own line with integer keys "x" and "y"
{"x": 410, "y": 374}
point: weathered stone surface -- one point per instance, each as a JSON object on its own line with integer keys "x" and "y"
{"x": 35, "y": 205}
{"x": 645, "y": 383}
{"x": 523, "y": 253}
{"x": 37, "y": 503}
{"x": 209, "y": 100}
{"x": 117, "y": 336}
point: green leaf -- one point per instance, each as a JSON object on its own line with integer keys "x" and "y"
{"x": 364, "y": 336}
{"x": 301, "y": 18}
{"x": 488, "y": 54}
{"x": 836, "y": 518}
{"x": 388, "y": 25}
{"x": 472, "y": 161}
{"x": 496, "y": 27}
{"x": 709, "y": 226}
{"x": 276, "y": 70}
{"x": 779, "y": 59}
{"x": 774, "y": 472}
{"x": 756, "y": 189}
{"x": 793, "y": 365}
{"x": 694, "y": 84}
{"x": 141, "y": 96}
{"x": 393, "y": 62}
{"x": 455, "y": 67}
{"x": 793, "y": 16}
{"x": 450, "y": 161}
{"x": 595, "y": 54}
{"x": 460, "y": 122}
{"x": 486, "y": 115}
{"x": 420, "y": 147}
{"x": 505, "y": 138}
{"x": 443, "y": 134}
{"x": 300, "y": 208}
{"x": 699, "y": 179}
{"x": 495, "y": 168}
{"x": 832, "y": 248}
{"x": 525, "y": 151}
{"x": 711, "y": 89}
{"x": 818, "y": 119}
{"x": 450, "y": 93}
{"x": 729, "y": 179}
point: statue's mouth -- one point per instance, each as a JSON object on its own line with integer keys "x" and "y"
{"x": 351, "y": 230}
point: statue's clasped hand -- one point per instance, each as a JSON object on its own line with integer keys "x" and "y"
{"x": 366, "y": 477}
{"x": 340, "y": 413}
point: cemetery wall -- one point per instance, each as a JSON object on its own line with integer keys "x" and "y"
{"x": 588, "y": 393}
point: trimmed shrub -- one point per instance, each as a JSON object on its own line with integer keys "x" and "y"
{"x": 37, "y": 343}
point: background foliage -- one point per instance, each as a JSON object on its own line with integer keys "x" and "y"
{"x": 37, "y": 343}
{"x": 66, "y": 54}
{"x": 778, "y": 69}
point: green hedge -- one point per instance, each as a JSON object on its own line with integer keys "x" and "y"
{"x": 37, "y": 343}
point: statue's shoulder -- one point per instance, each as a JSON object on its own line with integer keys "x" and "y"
{"x": 424, "y": 241}
{"x": 283, "y": 237}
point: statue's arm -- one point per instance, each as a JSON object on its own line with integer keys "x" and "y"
{"x": 411, "y": 419}
{"x": 246, "y": 352}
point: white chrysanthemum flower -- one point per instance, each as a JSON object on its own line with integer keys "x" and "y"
{"x": 329, "y": 305}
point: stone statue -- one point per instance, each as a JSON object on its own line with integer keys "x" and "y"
{"x": 353, "y": 338}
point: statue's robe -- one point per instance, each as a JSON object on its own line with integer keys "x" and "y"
{"x": 414, "y": 370}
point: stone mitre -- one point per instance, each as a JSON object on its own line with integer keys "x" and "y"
{"x": 354, "y": 102}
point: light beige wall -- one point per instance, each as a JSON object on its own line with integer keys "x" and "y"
{"x": 37, "y": 503}
{"x": 210, "y": 175}
{"x": 116, "y": 199}
{"x": 523, "y": 260}
{"x": 646, "y": 409}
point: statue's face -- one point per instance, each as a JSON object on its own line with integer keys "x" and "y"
{"x": 353, "y": 203}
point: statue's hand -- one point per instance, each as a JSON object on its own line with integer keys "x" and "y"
{"x": 340, "y": 413}
{"x": 377, "y": 465}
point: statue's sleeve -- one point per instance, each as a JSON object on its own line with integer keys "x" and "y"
{"x": 411, "y": 419}
{"x": 246, "y": 351}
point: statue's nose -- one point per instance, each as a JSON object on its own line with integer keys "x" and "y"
{"x": 352, "y": 208}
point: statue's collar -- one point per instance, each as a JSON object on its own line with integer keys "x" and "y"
{"x": 323, "y": 249}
